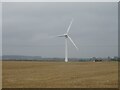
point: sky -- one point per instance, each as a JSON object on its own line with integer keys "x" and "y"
{"x": 59, "y": 0}
{"x": 0, "y": 30}
{"x": 31, "y": 29}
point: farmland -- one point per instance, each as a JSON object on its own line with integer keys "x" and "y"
{"x": 35, "y": 74}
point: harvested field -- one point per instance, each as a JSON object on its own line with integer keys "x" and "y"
{"x": 35, "y": 74}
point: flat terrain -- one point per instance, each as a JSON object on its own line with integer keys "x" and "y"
{"x": 0, "y": 74}
{"x": 35, "y": 74}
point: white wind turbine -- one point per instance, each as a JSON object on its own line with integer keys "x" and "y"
{"x": 66, "y": 40}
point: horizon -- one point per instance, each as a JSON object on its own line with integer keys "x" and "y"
{"x": 60, "y": 57}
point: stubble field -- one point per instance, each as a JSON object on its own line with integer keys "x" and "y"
{"x": 35, "y": 74}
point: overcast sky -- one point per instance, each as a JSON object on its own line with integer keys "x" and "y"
{"x": 30, "y": 29}
{"x": 0, "y": 30}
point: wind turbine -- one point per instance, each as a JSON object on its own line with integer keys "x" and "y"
{"x": 66, "y": 40}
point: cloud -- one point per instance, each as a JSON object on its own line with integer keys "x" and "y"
{"x": 28, "y": 28}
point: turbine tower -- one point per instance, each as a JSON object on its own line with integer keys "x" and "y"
{"x": 66, "y": 40}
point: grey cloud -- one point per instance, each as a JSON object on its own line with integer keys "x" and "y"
{"x": 29, "y": 28}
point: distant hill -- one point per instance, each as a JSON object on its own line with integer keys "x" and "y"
{"x": 39, "y": 58}
{"x": 20, "y": 57}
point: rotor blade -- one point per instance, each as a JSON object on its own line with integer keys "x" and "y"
{"x": 73, "y": 42}
{"x": 69, "y": 26}
{"x": 61, "y": 35}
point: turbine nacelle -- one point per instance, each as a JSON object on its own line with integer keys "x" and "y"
{"x": 63, "y": 35}
{"x": 66, "y": 35}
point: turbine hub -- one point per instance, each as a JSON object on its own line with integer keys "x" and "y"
{"x": 66, "y": 35}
